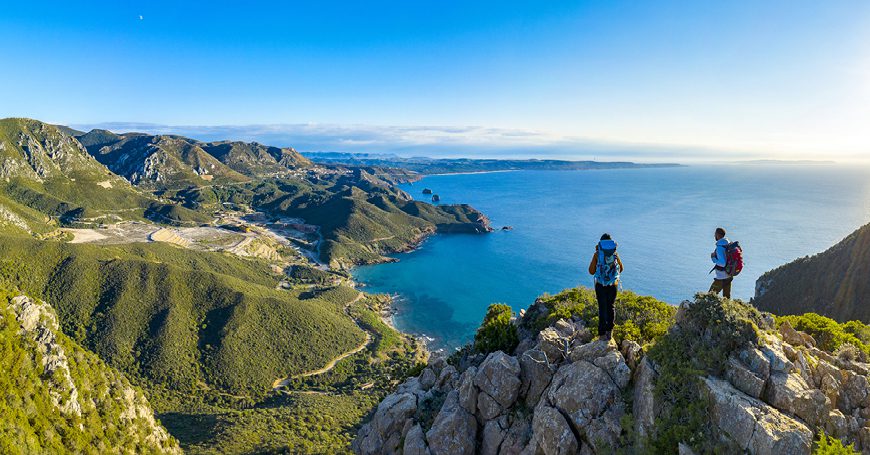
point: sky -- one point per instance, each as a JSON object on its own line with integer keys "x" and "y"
{"x": 604, "y": 79}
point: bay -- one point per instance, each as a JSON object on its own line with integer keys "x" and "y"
{"x": 663, "y": 220}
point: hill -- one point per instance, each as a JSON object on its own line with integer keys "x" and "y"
{"x": 48, "y": 171}
{"x": 256, "y": 160}
{"x": 158, "y": 162}
{"x": 833, "y": 283}
{"x": 60, "y": 398}
{"x": 713, "y": 376}
{"x": 50, "y": 180}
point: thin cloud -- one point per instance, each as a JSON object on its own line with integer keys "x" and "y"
{"x": 436, "y": 141}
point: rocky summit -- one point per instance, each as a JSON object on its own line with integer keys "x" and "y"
{"x": 760, "y": 389}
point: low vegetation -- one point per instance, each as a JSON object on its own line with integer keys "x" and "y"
{"x": 829, "y": 334}
{"x": 642, "y": 319}
{"x": 32, "y": 423}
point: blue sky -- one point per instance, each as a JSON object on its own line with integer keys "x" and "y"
{"x": 773, "y": 79}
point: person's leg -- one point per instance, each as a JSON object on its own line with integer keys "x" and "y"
{"x": 599, "y": 295}
{"x": 726, "y": 287}
{"x": 716, "y": 286}
{"x": 609, "y": 308}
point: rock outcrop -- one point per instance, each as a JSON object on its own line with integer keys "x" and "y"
{"x": 560, "y": 393}
{"x": 92, "y": 400}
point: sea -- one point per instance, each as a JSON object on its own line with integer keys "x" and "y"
{"x": 663, "y": 220}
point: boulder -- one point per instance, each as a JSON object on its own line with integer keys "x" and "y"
{"x": 756, "y": 361}
{"x": 591, "y": 350}
{"x": 454, "y": 431}
{"x": 554, "y": 345}
{"x": 590, "y": 399}
{"x": 427, "y": 378}
{"x": 467, "y": 390}
{"x": 792, "y": 336}
{"x": 383, "y": 434}
{"x": 447, "y": 378}
{"x": 552, "y": 434}
{"x": 415, "y": 442}
{"x": 614, "y": 365}
{"x": 632, "y": 352}
{"x": 778, "y": 361}
{"x": 791, "y": 394}
{"x": 741, "y": 377}
{"x": 493, "y": 436}
{"x": 498, "y": 383}
{"x": 755, "y": 426}
{"x": 644, "y": 406}
{"x": 536, "y": 372}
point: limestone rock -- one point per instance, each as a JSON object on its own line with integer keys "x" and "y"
{"x": 454, "y": 431}
{"x": 498, "y": 382}
{"x": 415, "y": 442}
{"x": 592, "y": 350}
{"x": 791, "y": 394}
{"x": 644, "y": 400}
{"x": 536, "y": 372}
{"x": 757, "y": 427}
{"x": 552, "y": 433}
{"x": 427, "y": 378}
{"x": 744, "y": 379}
{"x": 383, "y": 433}
{"x": 467, "y": 390}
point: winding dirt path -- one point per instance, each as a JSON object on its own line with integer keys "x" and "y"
{"x": 282, "y": 382}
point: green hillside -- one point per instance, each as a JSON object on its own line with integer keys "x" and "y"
{"x": 158, "y": 162}
{"x": 60, "y": 398}
{"x": 179, "y": 318}
{"x": 49, "y": 179}
{"x": 253, "y": 159}
{"x": 833, "y": 283}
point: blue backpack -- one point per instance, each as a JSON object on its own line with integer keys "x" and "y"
{"x": 607, "y": 272}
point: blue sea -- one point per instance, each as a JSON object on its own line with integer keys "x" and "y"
{"x": 663, "y": 220}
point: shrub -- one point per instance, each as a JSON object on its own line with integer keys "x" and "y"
{"x": 827, "y": 445}
{"x": 639, "y": 318}
{"x": 497, "y": 332}
{"x": 828, "y": 333}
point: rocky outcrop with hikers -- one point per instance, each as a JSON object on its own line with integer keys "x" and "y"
{"x": 714, "y": 375}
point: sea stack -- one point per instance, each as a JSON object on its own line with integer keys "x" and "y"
{"x": 427, "y": 191}
{"x": 435, "y": 198}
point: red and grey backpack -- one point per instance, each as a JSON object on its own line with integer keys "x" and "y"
{"x": 733, "y": 259}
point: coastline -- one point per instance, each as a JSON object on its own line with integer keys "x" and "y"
{"x": 469, "y": 173}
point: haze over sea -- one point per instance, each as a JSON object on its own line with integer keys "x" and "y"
{"x": 663, "y": 220}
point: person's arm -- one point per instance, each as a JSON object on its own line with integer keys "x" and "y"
{"x": 619, "y": 261}
{"x": 594, "y": 263}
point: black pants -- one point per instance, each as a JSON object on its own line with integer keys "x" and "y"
{"x": 606, "y": 295}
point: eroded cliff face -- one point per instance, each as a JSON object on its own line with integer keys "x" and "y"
{"x": 98, "y": 406}
{"x": 562, "y": 392}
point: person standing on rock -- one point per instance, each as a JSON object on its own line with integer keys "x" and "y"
{"x": 605, "y": 267}
{"x": 722, "y": 265}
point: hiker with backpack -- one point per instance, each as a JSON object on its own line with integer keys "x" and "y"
{"x": 605, "y": 267}
{"x": 727, "y": 263}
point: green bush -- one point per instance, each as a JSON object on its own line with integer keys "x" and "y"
{"x": 828, "y": 333}
{"x": 827, "y": 445}
{"x": 497, "y": 332}
{"x": 639, "y": 318}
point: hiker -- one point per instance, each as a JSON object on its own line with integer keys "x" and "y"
{"x": 606, "y": 267}
{"x": 727, "y": 263}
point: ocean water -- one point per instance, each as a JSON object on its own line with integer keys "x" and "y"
{"x": 663, "y": 220}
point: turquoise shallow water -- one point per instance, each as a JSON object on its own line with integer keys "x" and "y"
{"x": 663, "y": 220}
